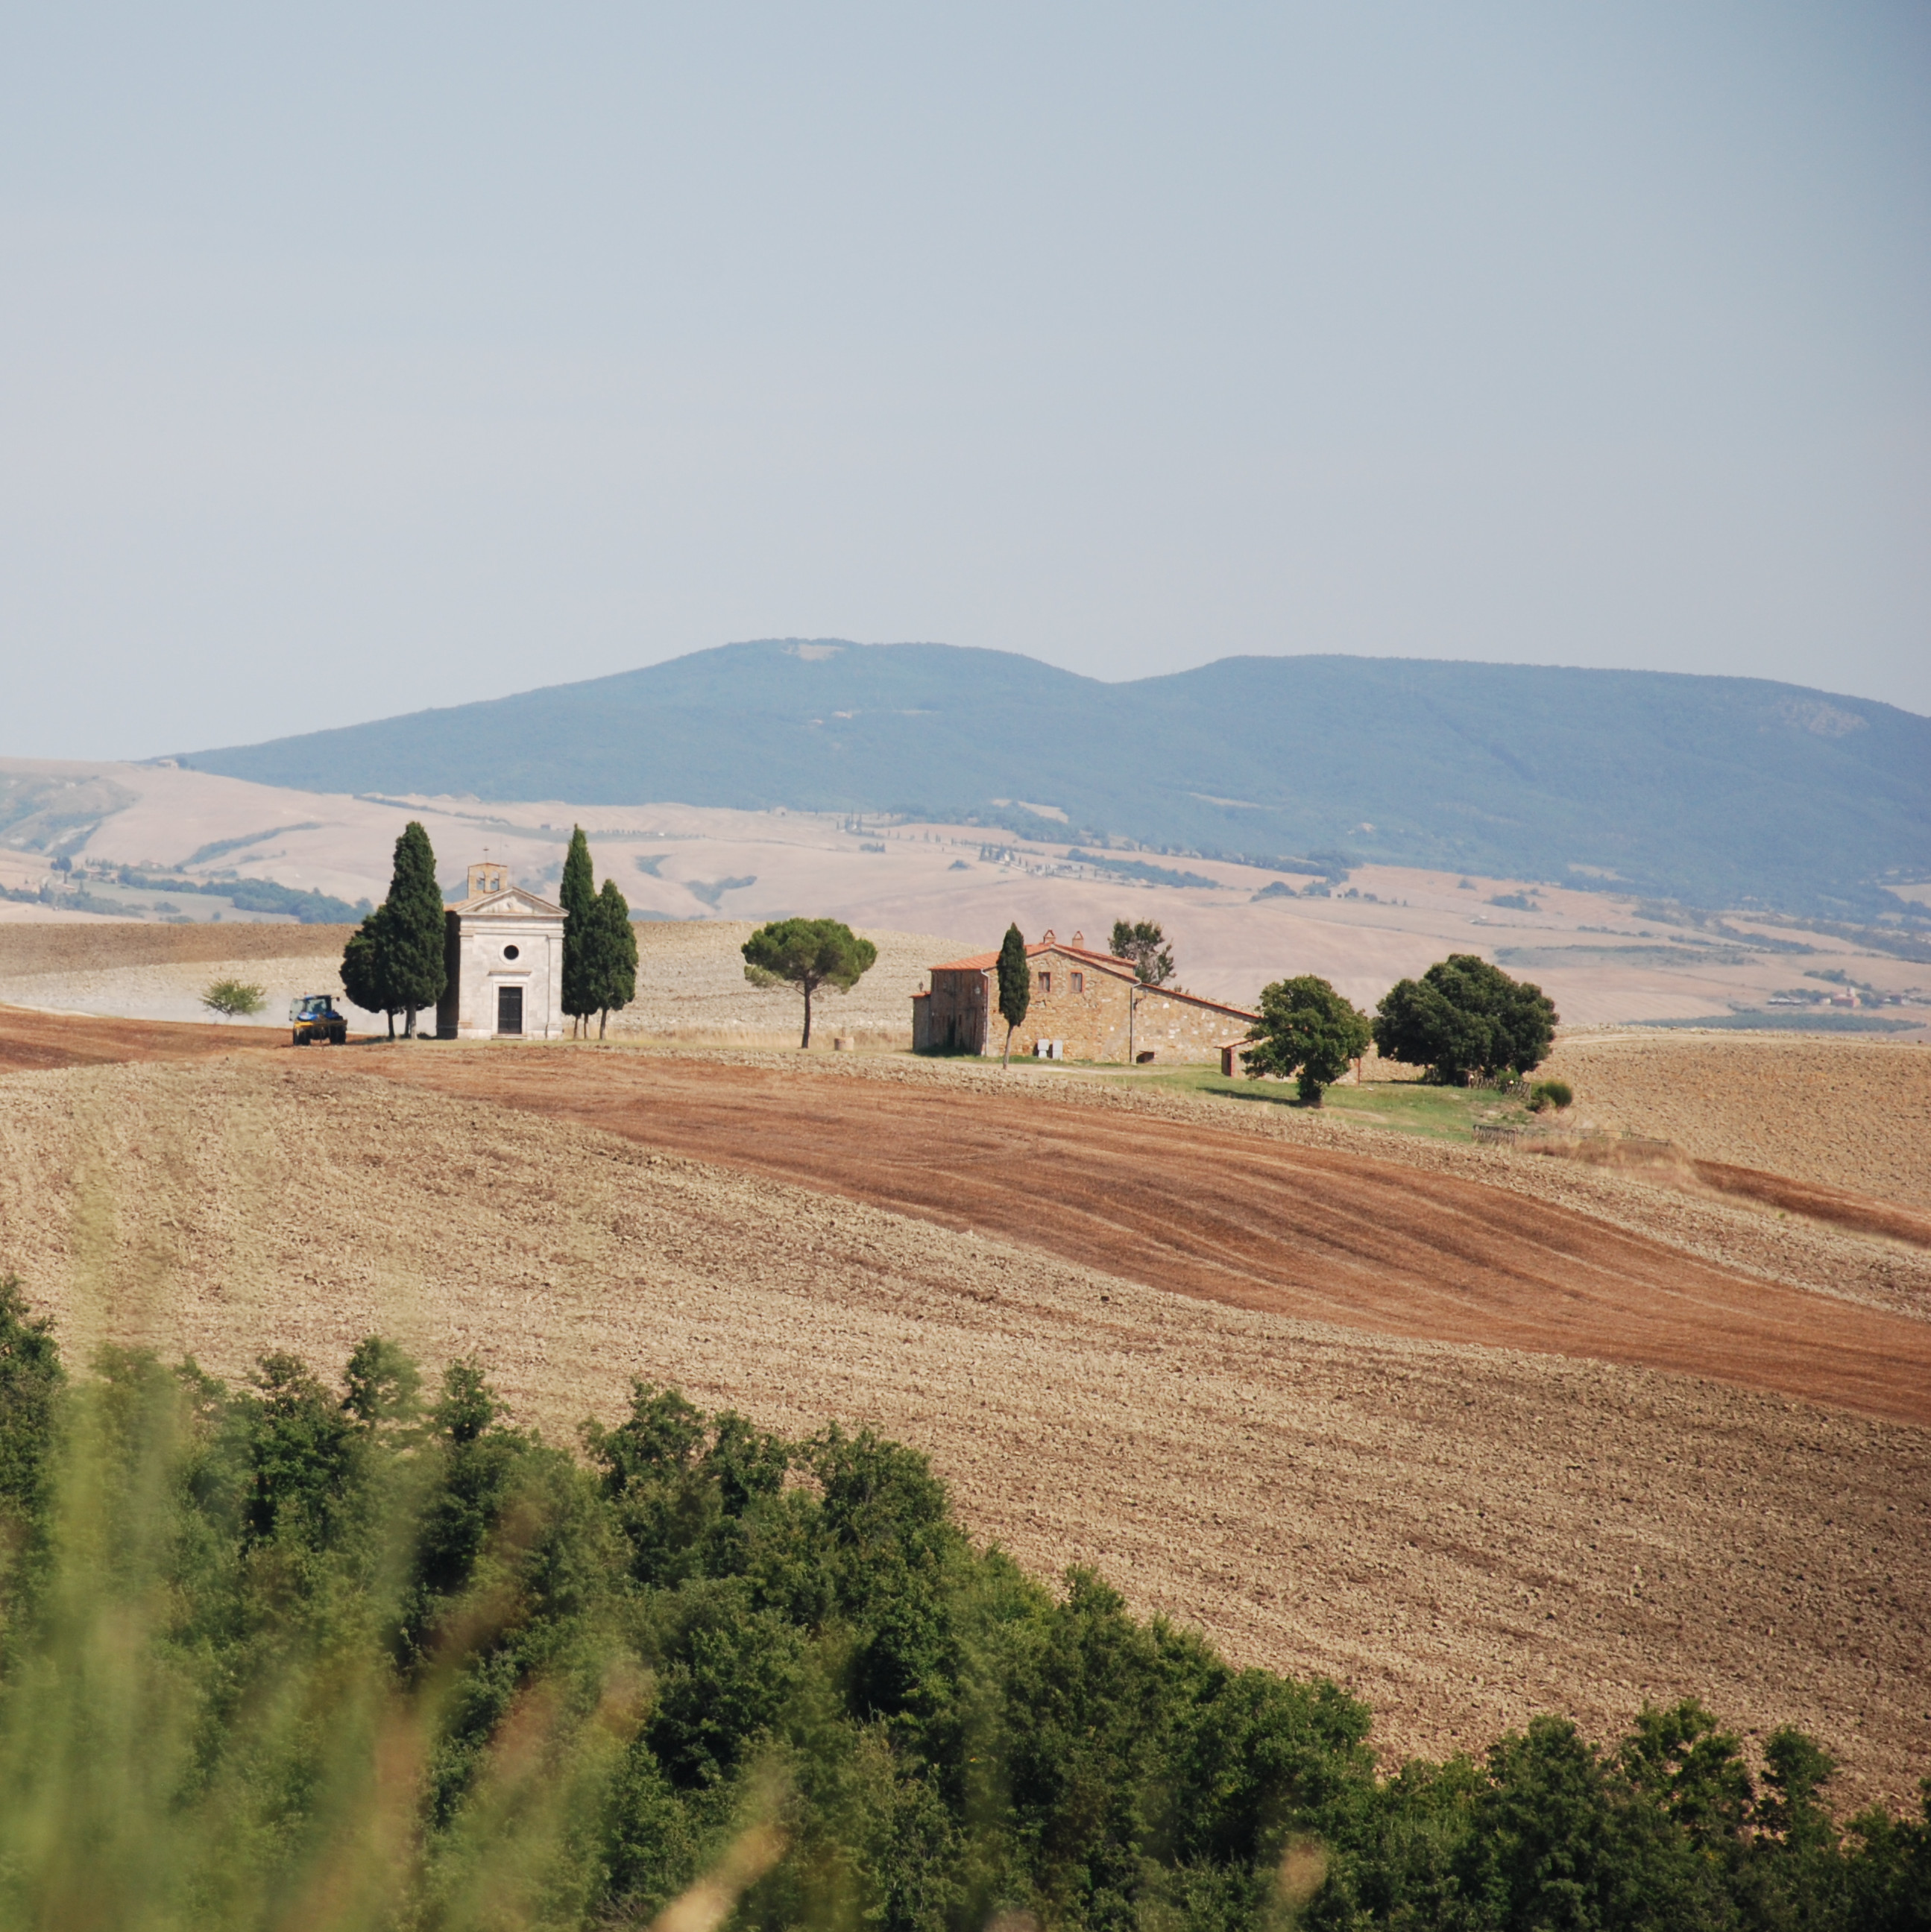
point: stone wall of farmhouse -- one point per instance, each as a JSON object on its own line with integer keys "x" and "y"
{"x": 1082, "y": 1006}
{"x": 1179, "y": 1030}
{"x": 953, "y": 1019}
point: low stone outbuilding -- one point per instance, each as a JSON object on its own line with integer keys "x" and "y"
{"x": 1088, "y": 1005}
{"x": 502, "y": 954}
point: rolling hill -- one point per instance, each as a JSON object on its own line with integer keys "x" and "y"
{"x": 1719, "y": 791}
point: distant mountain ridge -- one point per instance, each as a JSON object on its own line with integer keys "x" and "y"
{"x": 1717, "y": 790}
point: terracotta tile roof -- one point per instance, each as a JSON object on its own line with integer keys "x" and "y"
{"x": 984, "y": 962}
{"x": 1107, "y": 962}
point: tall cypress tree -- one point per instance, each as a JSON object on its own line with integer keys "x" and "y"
{"x": 613, "y": 968}
{"x": 578, "y": 894}
{"x": 362, "y": 970}
{"x": 1015, "y": 985}
{"x": 409, "y": 928}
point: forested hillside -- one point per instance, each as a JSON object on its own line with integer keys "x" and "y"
{"x": 1717, "y": 790}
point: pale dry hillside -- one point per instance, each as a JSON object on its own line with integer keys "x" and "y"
{"x": 691, "y": 987}
{"x": 690, "y": 977}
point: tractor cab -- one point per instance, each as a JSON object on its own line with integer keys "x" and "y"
{"x": 313, "y": 1018}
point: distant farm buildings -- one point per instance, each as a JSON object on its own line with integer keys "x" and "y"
{"x": 1085, "y": 1005}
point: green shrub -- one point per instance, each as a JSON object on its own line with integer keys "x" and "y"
{"x": 234, "y": 999}
{"x": 1547, "y": 1094}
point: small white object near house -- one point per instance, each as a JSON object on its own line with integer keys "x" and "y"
{"x": 502, "y": 952}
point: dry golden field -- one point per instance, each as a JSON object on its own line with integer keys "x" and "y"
{"x": 691, "y": 987}
{"x": 1849, "y": 1113}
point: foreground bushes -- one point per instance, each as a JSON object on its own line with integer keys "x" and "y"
{"x": 283, "y": 1655}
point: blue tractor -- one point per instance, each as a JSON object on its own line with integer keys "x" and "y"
{"x": 314, "y": 1021}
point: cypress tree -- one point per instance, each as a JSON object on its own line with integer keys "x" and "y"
{"x": 1015, "y": 985}
{"x": 363, "y": 972}
{"x": 613, "y": 971}
{"x": 409, "y": 928}
{"x": 578, "y": 897}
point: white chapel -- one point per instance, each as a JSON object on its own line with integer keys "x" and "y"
{"x": 502, "y": 954}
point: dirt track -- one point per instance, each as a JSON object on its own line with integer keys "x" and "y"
{"x": 1226, "y": 1217}
{"x": 1463, "y": 1535}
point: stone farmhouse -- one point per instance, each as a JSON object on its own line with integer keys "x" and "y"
{"x": 503, "y": 953}
{"x": 1085, "y": 1006}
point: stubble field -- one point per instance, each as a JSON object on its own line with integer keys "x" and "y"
{"x": 1848, "y": 1113}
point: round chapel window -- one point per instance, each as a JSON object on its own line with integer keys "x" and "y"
{"x": 509, "y": 952}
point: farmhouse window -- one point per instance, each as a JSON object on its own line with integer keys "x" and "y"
{"x": 1078, "y": 982}
{"x": 1045, "y": 983}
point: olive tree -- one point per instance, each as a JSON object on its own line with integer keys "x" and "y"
{"x": 234, "y": 999}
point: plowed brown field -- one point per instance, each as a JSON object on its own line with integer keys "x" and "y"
{"x": 1228, "y": 1216}
{"x": 30, "y": 1041}
{"x": 1463, "y": 1535}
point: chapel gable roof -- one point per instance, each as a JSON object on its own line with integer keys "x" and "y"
{"x": 511, "y": 902}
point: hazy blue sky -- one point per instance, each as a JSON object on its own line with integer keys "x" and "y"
{"x": 354, "y": 359}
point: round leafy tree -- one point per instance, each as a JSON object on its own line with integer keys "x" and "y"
{"x": 807, "y": 953}
{"x": 1308, "y": 1030}
{"x": 234, "y": 999}
{"x": 1465, "y": 1018}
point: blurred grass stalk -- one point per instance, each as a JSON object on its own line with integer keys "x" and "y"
{"x": 135, "y": 1798}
